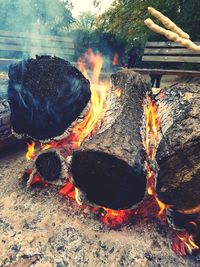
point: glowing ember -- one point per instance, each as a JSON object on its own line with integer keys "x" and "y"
{"x": 31, "y": 151}
{"x": 68, "y": 190}
{"x": 115, "y": 217}
{"x": 115, "y": 59}
{"x": 191, "y": 211}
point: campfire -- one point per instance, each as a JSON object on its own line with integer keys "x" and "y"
{"x": 113, "y": 156}
{"x": 112, "y": 146}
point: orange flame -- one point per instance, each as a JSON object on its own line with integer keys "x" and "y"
{"x": 118, "y": 92}
{"x": 31, "y": 151}
{"x": 150, "y": 145}
{"x": 99, "y": 92}
{"x": 115, "y": 59}
{"x": 115, "y": 217}
{"x": 184, "y": 244}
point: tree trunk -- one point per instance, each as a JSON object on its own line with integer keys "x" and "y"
{"x": 178, "y": 153}
{"x": 108, "y": 169}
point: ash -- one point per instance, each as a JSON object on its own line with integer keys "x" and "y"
{"x": 40, "y": 228}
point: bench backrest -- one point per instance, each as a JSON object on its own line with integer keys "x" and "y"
{"x": 16, "y": 45}
{"x": 169, "y": 52}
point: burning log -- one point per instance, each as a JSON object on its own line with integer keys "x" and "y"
{"x": 178, "y": 153}
{"x": 108, "y": 169}
{"x": 46, "y": 95}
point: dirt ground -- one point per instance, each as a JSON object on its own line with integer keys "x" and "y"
{"x": 41, "y": 228}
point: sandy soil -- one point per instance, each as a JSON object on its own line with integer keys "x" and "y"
{"x": 40, "y": 228}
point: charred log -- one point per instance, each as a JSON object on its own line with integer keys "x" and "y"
{"x": 108, "y": 169}
{"x": 46, "y": 95}
{"x": 51, "y": 167}
{"x": 178, "y": 154}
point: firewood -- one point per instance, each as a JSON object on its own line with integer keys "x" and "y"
{"x": 51, "y": 166}
{"x": 178, "y": 153}
{"x": 46, "y": 95}
{"x": 6, "y": 137}
{"x": 108, "y": 169}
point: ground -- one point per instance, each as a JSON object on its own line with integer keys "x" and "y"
{"x": 41, "y": 228}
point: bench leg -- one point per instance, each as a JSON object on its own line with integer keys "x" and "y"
{"x": 158, "y": 79}
{"x": 155, "y": 78}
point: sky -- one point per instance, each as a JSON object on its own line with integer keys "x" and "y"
{"x": 87, "y": 5}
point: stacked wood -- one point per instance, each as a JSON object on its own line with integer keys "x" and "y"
{"x": 46, "y": 95}
{"x": 6, "y": 137}
{"x": 178, "y": 153}
{"x": 108, "y": 169}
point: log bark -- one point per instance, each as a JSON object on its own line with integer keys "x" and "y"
{"x": 178, "y": 153}
{"x": 6, "y": 137}
{"x": 46, "y": 95}
{"x": 108, "y": 169}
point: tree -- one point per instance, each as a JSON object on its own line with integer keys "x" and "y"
{"x": 40, "y": 16}
{"x": 85, "y": 22}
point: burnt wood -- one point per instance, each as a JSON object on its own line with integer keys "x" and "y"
{"x": 49, "y": 165}
{"x": 46, "y": 95}
{"x": 6, "y": 137}
{"x": 178, "y": 153}
{"x": 108, "y": 169}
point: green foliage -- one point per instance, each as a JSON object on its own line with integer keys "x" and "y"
{"x": 41, "y": 16}
{"x": 86, "y": 35}
{"x": 85, "y": 22}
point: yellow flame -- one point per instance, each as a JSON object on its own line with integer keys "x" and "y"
{"x": 31, "y": 151}
{"x": 118, "y": 92}
{"x": 77, "y": 197}
{"x": 188, "y": 242}
{"x": 98, "y": 96}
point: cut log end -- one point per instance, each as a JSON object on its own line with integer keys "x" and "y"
{"x": 46, "y": 95}
{"x": 106, "y": 180}
{"x": 51, "y": 167}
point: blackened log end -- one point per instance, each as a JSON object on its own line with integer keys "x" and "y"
{"x": 106, "y": 180}
{"x": 48, "y": 165}
{"x": 46, "y": 95}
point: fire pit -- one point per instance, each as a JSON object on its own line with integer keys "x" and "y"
{"x": 113, "y": 158}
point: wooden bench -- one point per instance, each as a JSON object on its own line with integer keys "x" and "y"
{"x": 170, "y": 56}
{"x": 17, "y": 45}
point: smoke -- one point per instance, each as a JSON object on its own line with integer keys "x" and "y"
{"x": 40, "y": 17}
